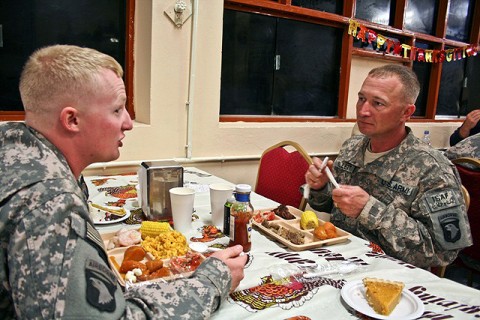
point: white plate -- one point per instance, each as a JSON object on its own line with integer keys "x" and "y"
{"x": 409, "y": 307}
{"x": 98, "y": 217}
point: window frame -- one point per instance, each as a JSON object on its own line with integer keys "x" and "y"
{"x": 284, "y": 9}
{"x": 128, "y": 72}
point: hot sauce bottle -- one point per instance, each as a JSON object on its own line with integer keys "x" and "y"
{"x": 241, "y": 214}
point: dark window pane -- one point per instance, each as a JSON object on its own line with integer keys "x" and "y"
{"x": 308, "y": 78}
{"x": 451, "y": 83}
{"x": 422, "y": 70}
{"x": 332, "y": 6}
{"x": 471, "y": 93}
{"x": 377, "y": 11}
{"x": 31, "y": 24}
{"x": 459, "y": 19}
{"x": 248, "y": 51}
{"x": 420, "y": 16}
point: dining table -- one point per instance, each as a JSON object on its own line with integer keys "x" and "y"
{"x": 322, "y": 281}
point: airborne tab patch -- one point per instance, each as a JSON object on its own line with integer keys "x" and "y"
{"x": 441, "y": 200}
{"x": 101, "y": 286}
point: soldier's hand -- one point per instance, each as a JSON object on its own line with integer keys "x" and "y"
{"x": 236, "y": 262}
{"x": 315, "y": 177}
{"x": 350, "y": 200}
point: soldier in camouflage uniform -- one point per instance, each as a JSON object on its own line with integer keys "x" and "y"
{"x": 395, "y": 190}
{"x": 54, "y": 263}
{"x": 468, "y": 147}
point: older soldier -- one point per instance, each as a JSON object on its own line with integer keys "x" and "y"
{"x": 395, "y": 190}
{"x": 53, "y": 261}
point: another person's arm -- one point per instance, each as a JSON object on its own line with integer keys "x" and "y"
{"x": 465, "y": 130}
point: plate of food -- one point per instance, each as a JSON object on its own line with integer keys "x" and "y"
{"x": 297, "y": 230}
{"x": 385, "y": 300}
{"x": 107, "y": 215}
{"x": 137, "y": 256}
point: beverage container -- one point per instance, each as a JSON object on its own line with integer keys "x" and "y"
{"x": 226, "y": 214}
{"x": 241, "y": 214}
{"x": 426, "y": 137}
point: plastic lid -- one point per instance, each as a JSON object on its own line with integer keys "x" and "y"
{"x": 243, "y": 188}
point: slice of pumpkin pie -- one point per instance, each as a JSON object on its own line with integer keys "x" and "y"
{"x": 383, "y": 295}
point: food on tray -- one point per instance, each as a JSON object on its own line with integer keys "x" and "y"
{"x": 136, "y": 253}
{"x": 166, "y": 245}
{"x": 294, "y": 236}
{"x": 325, "y": 231}
{"x": 320, "y": 233}
{"x": 188, "y": 263}
{"x": 330, "y": 229}
{"x": 154, "y": 228}
{"x": 264, "y": 216}
{"x": 124, "y": 238}
{"x": 308, "y": 220}
{"x": 282, "y": 211}
{"x": 383, "y": 295}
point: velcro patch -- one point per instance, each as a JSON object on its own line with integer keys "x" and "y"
{"x": 101, "y": 286}
{"x": 450, "y": 225}
{"x": 398, "y": 187}
{"x": 345, "y": 166}
{"x": 441, "y": 200}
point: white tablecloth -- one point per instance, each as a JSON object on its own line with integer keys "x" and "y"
{"x": 317, "y": 298}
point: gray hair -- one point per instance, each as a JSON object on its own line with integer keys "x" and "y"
{"x": 408, "y": 78}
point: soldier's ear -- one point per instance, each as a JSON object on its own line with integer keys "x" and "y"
{"x": 69, "y": 119}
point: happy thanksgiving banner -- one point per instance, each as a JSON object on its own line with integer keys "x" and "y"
{"x": 394, "y": 47}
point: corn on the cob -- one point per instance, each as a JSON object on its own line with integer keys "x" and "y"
{"x": 308, "y": 220}
{"x": 154, "y": 228}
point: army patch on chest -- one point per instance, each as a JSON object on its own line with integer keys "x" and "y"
{"x": 441, "y": 200}
{"x": 101, "y": 286}
{"x": 398, "y": 187}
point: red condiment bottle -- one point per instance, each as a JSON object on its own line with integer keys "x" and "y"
{"x": 241, "y": 214}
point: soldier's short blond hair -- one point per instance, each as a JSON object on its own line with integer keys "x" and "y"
{"x": 58, "y": 75}
{"x": 408, "y": 78}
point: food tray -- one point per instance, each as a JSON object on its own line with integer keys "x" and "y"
{"x": 115, "y": 259}
{"x": 294, "y": 224}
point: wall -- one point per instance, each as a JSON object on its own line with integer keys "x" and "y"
{"x": 168, "y": 74}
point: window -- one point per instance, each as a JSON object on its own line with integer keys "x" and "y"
{"x": 275, "y": 66}
{"x": 290, "y": 60}
{"x": 30, "y": 24}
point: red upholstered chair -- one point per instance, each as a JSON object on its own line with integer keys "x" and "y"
{"x": 469, "y": 170}
{"x": 281, "y": 173}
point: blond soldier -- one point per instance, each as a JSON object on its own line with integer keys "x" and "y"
{"x": 54, "y": 264}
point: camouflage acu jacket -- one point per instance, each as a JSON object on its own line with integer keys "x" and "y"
{"x": 416, "y": 211}
{"x": 53, "y": 261}
{"x": 468, "y": 147}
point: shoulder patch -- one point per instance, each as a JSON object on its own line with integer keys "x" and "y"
{"x": 450, "y": 225}
{"x": 441, "y": 200}
{"x": 101, "y": 286}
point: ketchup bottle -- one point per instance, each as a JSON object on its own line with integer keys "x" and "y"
{"x": 241, "y": 214}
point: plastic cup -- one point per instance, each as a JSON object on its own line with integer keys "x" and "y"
{"x": 219, "y": 193}
{"x": 182, "y": 208}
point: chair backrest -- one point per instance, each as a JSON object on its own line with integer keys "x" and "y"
{"x": 281, "y": 172}
{"x": 469, "y": 170}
